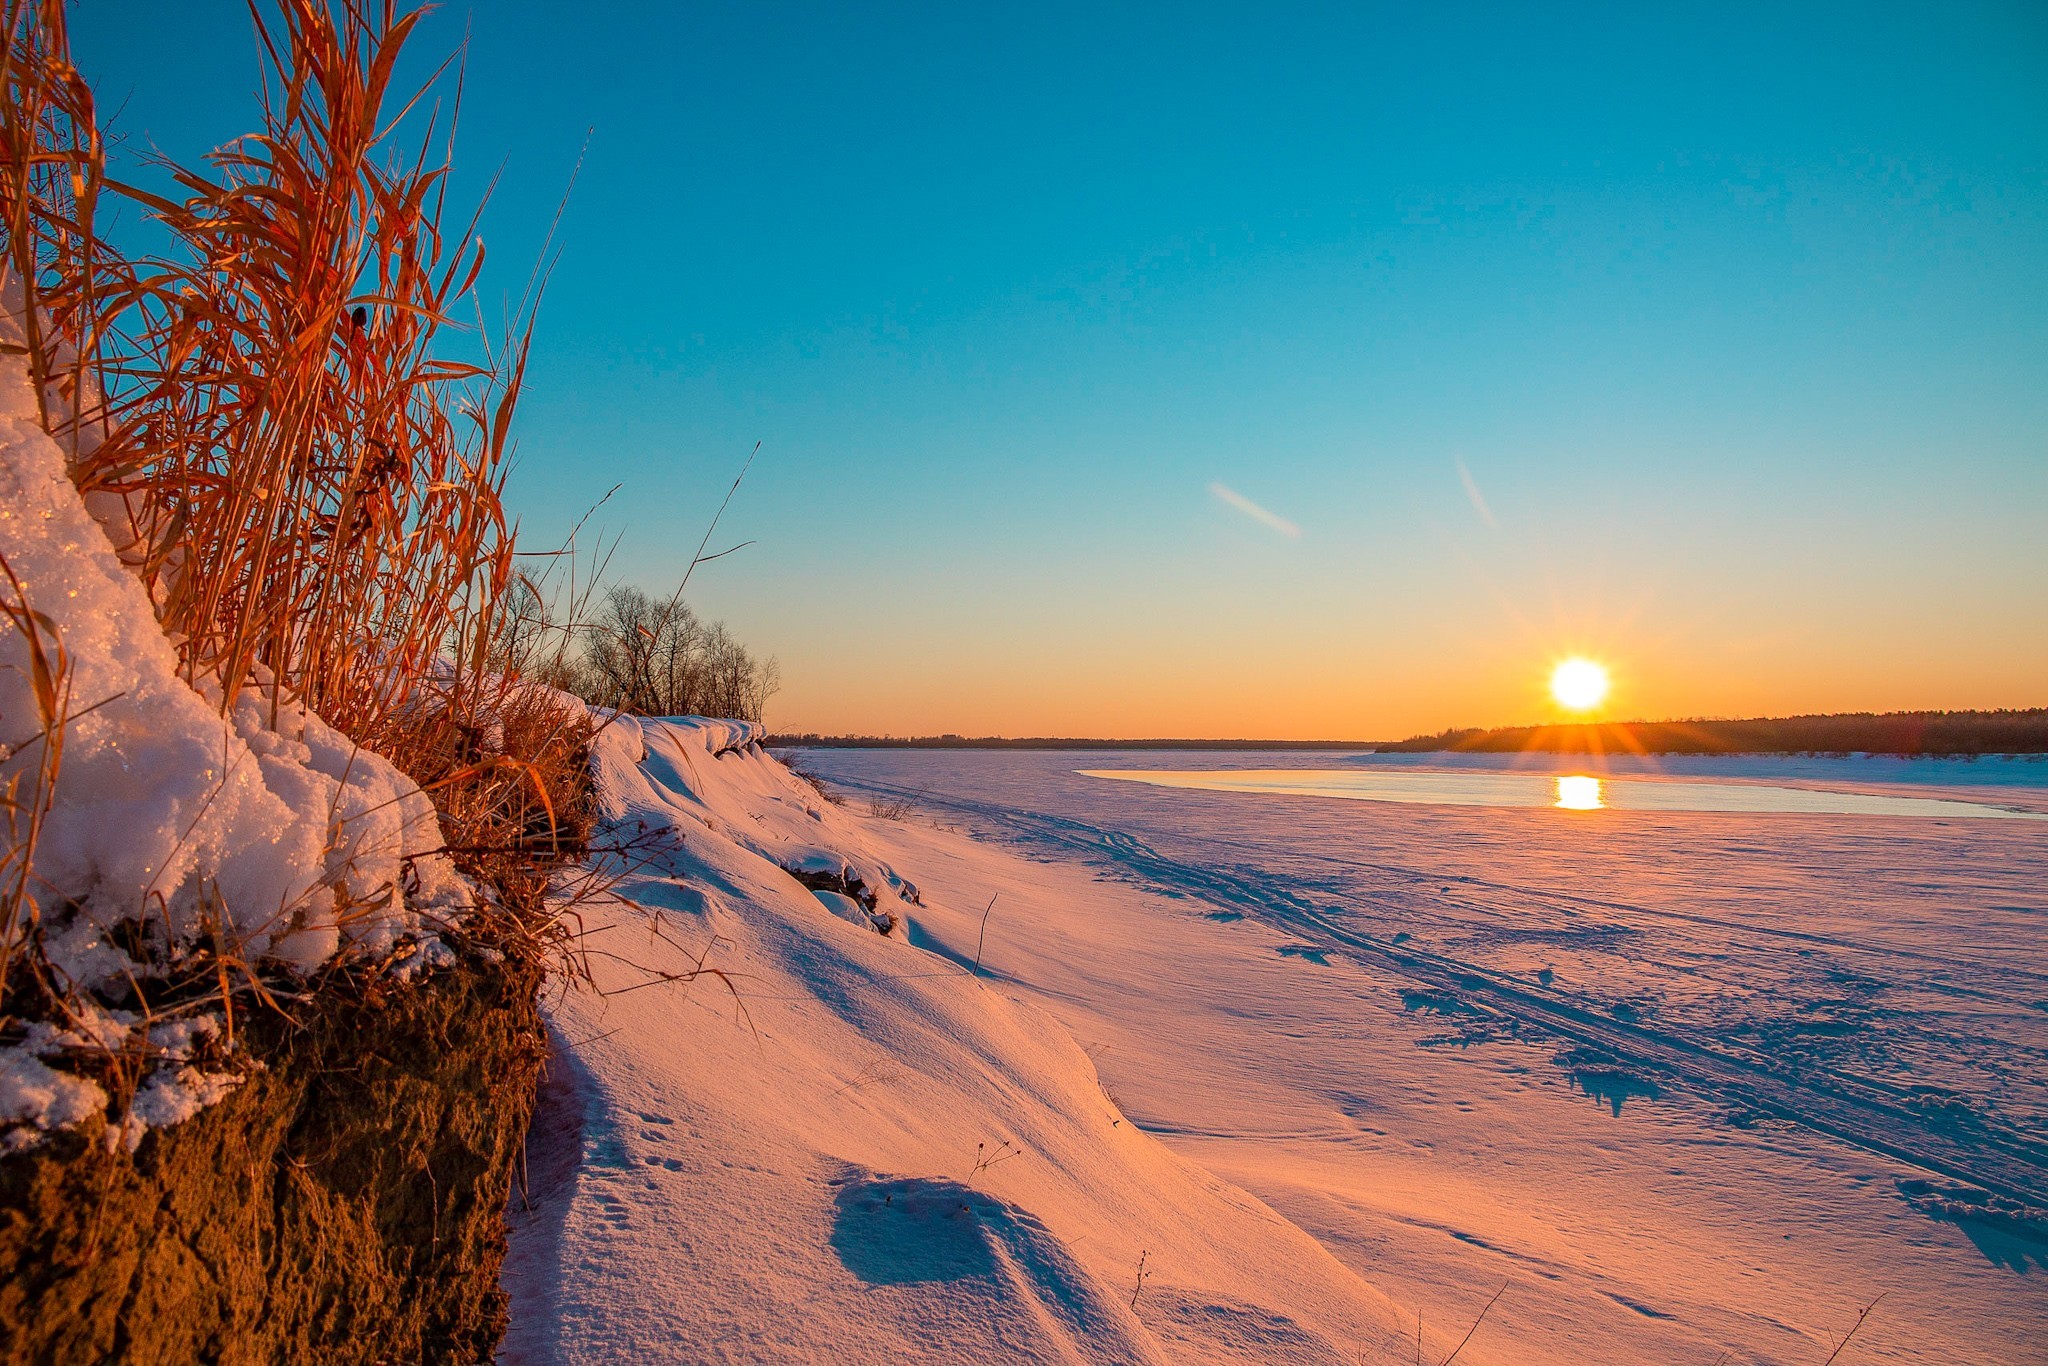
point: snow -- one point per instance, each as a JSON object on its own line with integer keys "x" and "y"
{"x": 1137, "y": 1075}
{"x": 845, "y": 907}
{"x": 32, "y": 1092}
{"x": 846, "y": 1148}
{"x": 173, "y": 1095}
{"x": 37, "y": 1099}
{"x": 267, "y": 821}
{"x": 1685, "y": 1083}
{"x": 280, "y": 823}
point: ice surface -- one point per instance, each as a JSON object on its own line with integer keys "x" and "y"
{"x": 1454, "y": 787}
{"x": 1686, "y": 1083}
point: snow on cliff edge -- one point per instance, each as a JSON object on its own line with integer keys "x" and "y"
{"x": 846, "y": 1149}
{"x": 165, "y": 812}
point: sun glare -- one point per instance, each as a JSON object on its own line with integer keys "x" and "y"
{"x": 1579, "y": 794}
{"x": 1578, "y": 684}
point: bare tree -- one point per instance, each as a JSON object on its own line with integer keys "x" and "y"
{"x": 530, "y": 641}
{"x": 655, "y": 657}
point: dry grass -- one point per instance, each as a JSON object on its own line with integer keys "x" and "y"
{"x": 263, "y": 419}
{"x": 27, "y": 792}
{"x": 890, "y": 808}
{"x": 816, "y": 783}
{"x": 511, "y": 781}
{"x": 303, "y": 485}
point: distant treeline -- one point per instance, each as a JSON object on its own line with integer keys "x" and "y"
{"x": 2019, "y": 731}
{"x": 2016, "y": 731}
{"x": 1050, "y": 742}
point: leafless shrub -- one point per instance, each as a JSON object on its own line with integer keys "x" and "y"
{"x": 986, "y": 1157}
{"x": 890, "y": 808}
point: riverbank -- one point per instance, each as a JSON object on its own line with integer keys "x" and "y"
{"x": 342, "y": 1205}
{"x": 773, "y": 1132}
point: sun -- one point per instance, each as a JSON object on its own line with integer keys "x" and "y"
{"x": 1579, "y": 684}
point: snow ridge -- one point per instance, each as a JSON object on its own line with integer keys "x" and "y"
{"x": 845, "y": 1148}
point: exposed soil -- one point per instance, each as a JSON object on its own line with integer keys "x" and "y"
{"x": 344, "y": 1205}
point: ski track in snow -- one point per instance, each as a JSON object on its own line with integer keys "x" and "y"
{"x": 1928, "y": 1126}
{"x": 843, "y": 1149}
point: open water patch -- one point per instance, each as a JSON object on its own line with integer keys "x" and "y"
{"x": 1577, "y": 794}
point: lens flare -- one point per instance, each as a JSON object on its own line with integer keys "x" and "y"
{"x": 1579, "y": 684}
{"x": 1579, "y": 794}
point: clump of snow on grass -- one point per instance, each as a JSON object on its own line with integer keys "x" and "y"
{"x": 265, "y": 824}
{"x": 171, "y": 1095}
{"x": 176, "y": 1039}
{"x": 269, "y": 817}
{"x": 425, "y": 957}
{"x": 36, "y": 1099}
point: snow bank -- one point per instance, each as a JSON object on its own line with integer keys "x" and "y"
{"x": 652, "y": 772}
{"x": 298, "y": 838}
{"x": 267, "y": 823}
{"x": 844, "y": 1148}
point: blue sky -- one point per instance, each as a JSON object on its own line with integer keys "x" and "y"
{"x": 1737, "y": 319}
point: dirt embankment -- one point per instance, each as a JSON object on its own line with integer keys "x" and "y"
{"x": 344, "y": 1205}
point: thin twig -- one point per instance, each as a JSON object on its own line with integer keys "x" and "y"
{"x": 983, "y": 936}
{"x": 1853, "y": 1329}
{"x": 1475, "y": 1325}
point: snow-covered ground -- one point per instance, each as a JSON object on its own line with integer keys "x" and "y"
{"x": 847, "y": 1148}
{"x": 1685, "y": 1083}
{"x": 1679, "y": 1087}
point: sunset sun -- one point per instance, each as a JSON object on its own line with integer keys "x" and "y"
{"x": 1579, "y": 684}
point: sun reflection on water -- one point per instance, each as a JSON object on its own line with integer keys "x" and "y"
{"x": 1579, "y": 794}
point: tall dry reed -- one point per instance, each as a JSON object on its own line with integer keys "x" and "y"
{"x": 264, "y": 417}
{"x": 310, "y": 492}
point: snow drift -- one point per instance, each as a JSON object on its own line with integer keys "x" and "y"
{"x": 844, "y": 1148}
{"x": 278, "y": 823}
{"x": 265, "y": 828}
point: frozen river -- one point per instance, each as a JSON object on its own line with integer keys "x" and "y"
{"x": 1364, "y": 781}
{"x": 1838, "y": 956}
